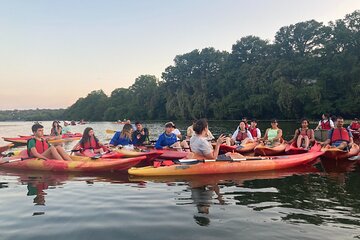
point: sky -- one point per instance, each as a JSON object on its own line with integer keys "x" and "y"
{"x": 54, "y": 52}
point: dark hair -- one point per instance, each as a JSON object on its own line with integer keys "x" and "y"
{"x": 200, "y": 125}
{"x": 339, "y": 117}
{"x": 86, "y": 138}
{"x": 326, "y": 115}
{"x": 36, "y": 126}
{"x": 137, "y": 122}
{"x": 274, "y": 120}
{"x": 254, "y": 120}
{"x": 305, "y": 119}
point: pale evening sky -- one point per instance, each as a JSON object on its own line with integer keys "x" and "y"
{"x": 53, "y": 52}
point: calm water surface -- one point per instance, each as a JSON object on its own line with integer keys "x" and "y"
{"x": 302, "y": 203}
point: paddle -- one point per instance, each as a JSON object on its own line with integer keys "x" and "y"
{"x": 354, "y": 158}
{"x": 13, "y": 160}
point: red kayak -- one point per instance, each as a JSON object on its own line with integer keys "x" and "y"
{"x": 244, "y": 148}
{"x": 66, "y": 135}
{"x": 337, "y": 154}
{"x": 264, "y": 150}
{"x": 293, "y": 149}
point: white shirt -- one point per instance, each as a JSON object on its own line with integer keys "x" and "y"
{"x": 176, "y": 132}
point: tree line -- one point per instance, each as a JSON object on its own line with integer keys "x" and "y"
{"x": 310, "y": 68}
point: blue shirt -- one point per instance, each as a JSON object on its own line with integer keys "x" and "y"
{"x": 117, "y": 140}
{"x": 165, "y": 140}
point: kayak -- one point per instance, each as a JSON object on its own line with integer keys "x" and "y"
{"x": 264, "y": 150}
{"x": 79, "y": 164}
{"x": 247, "y": 147}
{"x": 6, "y": 147}
{"x": 222, "y": 167}
{"x": 172, "y": 154}
{"x": 66, "y": 135}
{"x": 23, "y": 141}
{"x": 337, "y": 154}
{"x": 293, "y": 149}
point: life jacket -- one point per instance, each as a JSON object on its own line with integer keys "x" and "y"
{"x": 341, "y": 134}
{"x": 241, "y": 136}
{"x": 355, "y": 126}
{"x": 247, "y": 126}
{"x": 325, "y": 125}
{"x": 253, "y": 132}
{"x": 40, "y": 146}
{"x": 307, "y": 132}
{"x": 91, "y": 144}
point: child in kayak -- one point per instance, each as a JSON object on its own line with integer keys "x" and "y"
{"x": 124, "y": 137}
{"x": 254, "y": 130}
{"x": 168, "y": 139}
{"x": 140, "y": 135}
{"x": 325, "y": 123}
{"x": 304, "y": 136}
{"x": 38, "y": 147}
{"x": 89, "y": 142}
{"x": 240, "y": 136}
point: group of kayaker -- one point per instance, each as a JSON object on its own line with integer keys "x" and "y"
{"x": 199, "y": 137}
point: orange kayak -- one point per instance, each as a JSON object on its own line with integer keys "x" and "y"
{"x": 248, "y": 147}
{"x": 264, "y": 150}
{"x": 334, "y": 153}
{"x": 79, "y": 164}
{"x": 293, "y": 149}
{"x": 222, "y": 167}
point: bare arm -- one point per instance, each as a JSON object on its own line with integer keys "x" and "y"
{"x": 35, "y": 153}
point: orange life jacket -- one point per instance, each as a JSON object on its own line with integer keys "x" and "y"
{"x": 340, "y": 134}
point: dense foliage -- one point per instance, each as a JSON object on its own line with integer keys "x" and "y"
{"x": 309, "y": 69}
{"x": 31, "y": 115}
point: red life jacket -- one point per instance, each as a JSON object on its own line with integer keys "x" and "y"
{"x": 325, "y": 125}
{"x": 92, "y": 144}
{"x": 253, "y": 132}
{"x": 241, "y": 136}
{"x": 354, "y": 126}
{"x": 307, "y": 132}
{"x": 340, "y": 134}
{"x": 40, "y": 146}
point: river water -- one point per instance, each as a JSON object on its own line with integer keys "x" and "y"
{"x": 302, "y": 203}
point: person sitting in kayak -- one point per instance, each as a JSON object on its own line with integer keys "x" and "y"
{"x": 55, "y": 129}
{"x": 304, "y": 136}
{"x": 340, "y": 137}
{"x": 66, "y": 128}
{"x": 244, "y": 119}
{"x": 190, "y": 132}
{"x": 355, "y": 125}
{"x": 168, "y": 139}
{"x": 176, "y": 131}
{"x": 240, "y": 136}
{"x": 254, "y": 130}
{"x": 273, "y": 135}
{"x": 123, "y": 138}
{"x": 199, "y": 143}
{"x": 326, "y": 123}
{"x": 140, "y": 135}
{"x": 38, "y": 147}
{"x": 90, "y": 142}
